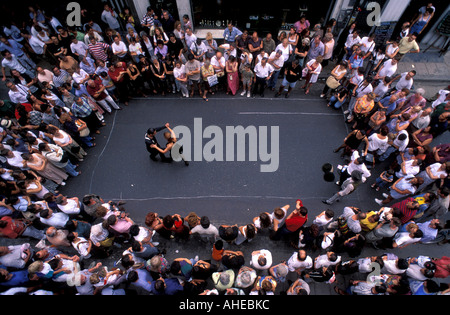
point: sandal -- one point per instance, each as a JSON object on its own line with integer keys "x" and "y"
{"x": 205, "y": 99}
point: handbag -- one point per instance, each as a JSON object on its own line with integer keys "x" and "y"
{"x": 84, "y": 132}
{"x": 212, "y": 80}
{"x": 305, "y": 72}
{"x": 332, "y": 82}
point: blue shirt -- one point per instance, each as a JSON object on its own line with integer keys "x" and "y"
{"x": 19, "y": 278}
{"x": 231, "y": 36}
{"x": 15, "y": 48}
{"x": 390, "y": 107}
{"x": 173, "y": 287}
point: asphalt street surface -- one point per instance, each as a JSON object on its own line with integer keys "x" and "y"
{"x": 119, "y": 168}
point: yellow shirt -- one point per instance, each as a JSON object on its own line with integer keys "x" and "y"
{"x": 366, "y": 225}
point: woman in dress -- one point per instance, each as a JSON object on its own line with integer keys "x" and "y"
{"x": 38, "y": 163}
{"x": 314, "y": 69}
{"x": 421, "y": 22}
{"x": 66, "y": 142}
{"x": 352, "y": 142}
{"x": 231, "y": 68}
{"x": 159, "y": 76}
{"x": 171, "y": 138}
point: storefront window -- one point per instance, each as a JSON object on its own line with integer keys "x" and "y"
{"x": 260, "y": 15}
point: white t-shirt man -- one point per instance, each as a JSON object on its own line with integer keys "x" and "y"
{"x": 79, "y": 48}
{"x": 72, "y": 207}
{"x": 255, "y": 259}
{"x": 218, "y": 63}
{"x": 296, "y": 264}
{"x": 366, "y": 45}
{"x": 119, "y": 47}
{"x": 388, "y": 69}
{"x": 404, "y": 83}
{"x": 263, "y": 71}
{"x": 37, "y": 45}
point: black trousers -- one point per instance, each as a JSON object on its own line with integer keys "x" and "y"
{"x": 259, "y": 86}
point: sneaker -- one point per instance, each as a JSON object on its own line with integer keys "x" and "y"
{"x": 339, "y": 167}
{"x": 322, "y": 95}
{"x": 385, "y": 195}
{"x": 243, "y": 93}
{"x": 346, "y": 112}
{"x": 249, "y": 94}
{"x": 378, "y": 201}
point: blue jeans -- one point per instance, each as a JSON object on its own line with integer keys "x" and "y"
{"x": 335, "y": 102}
{"x": 70, "y": 169}
{"x": 273, "y": 80}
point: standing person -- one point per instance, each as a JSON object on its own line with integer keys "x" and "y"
{"x": 207, "y": 71}
{"x": 96, "y": 89}
{"x": 263, "y": 72}
{"x": 255, "y": 45}
{"x": 328, "y": 42}
{"x": 179, "y": 73}
{"x": 82, "y": 110}
{"x": 302, "y": 24}
{"x": 422, "y": 21}
{"x": 247, "y": 77}
{"x": 193, "y": 68}
{"x": 408, "y": 45}
{"x": 232, "y": 75}
{"x": 316, "y": 48}
{"x": 231, "y": 33}
{"x": 117, "y": 71}
{"x": 150, "y": 141}
{"x": 277, "y": 61}
{"x": 293, "y": 223}
{"x": 110, "y": 17}
{"x": 292, "y": 74}
{"x": 269, "y": 44}
{"x": 314, "y": 68}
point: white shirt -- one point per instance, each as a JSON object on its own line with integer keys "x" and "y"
{"x": 13, "y": 64}
{"x": 367, "y": 46}
{"x": 294, "y": 263}
{"x": 119, "y": 47}
{"x": 19, "y": 96}
{"x": 409, "y": 169}
{"x": 218, "y": 63}
{"x": 388, "y": 69}
{"x": 403, "y": 82}
{"x": 79, "y": 77}
{"x": 57, "y": 220}
{"x": 37, "y": 45}
{"x": 179, "y": 73}
{"x": 391, "y": 268}
{"x": 79, "y": 48}
{"x": 263, "y": 72}
{"x": 352, "y": 41}
{"x": 72, "y": 207}
{"x": 403, "y": 238}
{"x": 267, "y": 254}
{"x": 286, "y": 51}
{"x": 190, "y": 39}
{"x": 323, "y": 261}
{"x": 279, "y": 62}
{"x": 358, "y": 167}
{"x": 211, "y": 230}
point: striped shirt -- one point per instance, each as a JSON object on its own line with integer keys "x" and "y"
{"x": 148, "y": 20}
{"x": 98, "y": 51}
{"x": 64, "y": 77}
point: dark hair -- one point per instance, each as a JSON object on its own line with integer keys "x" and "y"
{"x": 175, "y": 268}
{"x": 303, "y": 211}
{"x": 168, "y": 221}
{"x": 204, "y": 222}
{"x": 403, "y": 263}
{"x": 159, "y": 286}
{"x": 132, "y": 276}
{"x": 71, "y": 237}
{"x": 218, "y": 244}
{"x": 134, "y": 230}
{"x": 265, "y": 220}
{"x": 127, "y": 261}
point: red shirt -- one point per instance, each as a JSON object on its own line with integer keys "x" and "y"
{"x": 13, "y": 229}
{"x": 93, "y": 90}
{"x": 408, "y": 213}
{"x": 295, "y": 222}
{"x": 117, "y": 70}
